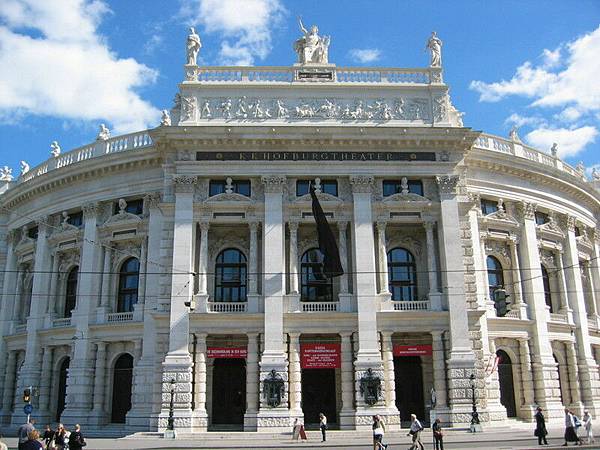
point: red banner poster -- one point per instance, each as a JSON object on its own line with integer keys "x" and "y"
{"x": 412, "y": 350}
{"x": 227, "y": 352}
{"x": 320, "y": 356}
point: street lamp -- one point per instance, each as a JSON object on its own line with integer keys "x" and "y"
{"x": 170, "y": 420}
{"x": 475, "y": 424}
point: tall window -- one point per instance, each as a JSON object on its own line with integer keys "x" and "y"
{"x": 495, "y": 275}
{"x": 128, "y": 285}
{"x": 547, "y": 292}
{"x": 230, "y": 276}
{"x": 71, "y": 292}
{"x": 402, "y": 275}
{"x": 315, "y": 286}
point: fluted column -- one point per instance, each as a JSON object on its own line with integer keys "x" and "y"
{"x": 295, "y": 375}
{"x": 526, "y": 377}
{"x": 388, "y": 368}
{"x": 343, "y": 248}
{"x": 595, "y": 268}
{"x": 562, "y": 284}
{"x": 382, "y": 253}
{"x": 143, "y": 271}
{"x": 106, "y": 279}
{"x": 8, "y": 301}
{"x": 53, "y": 297}
{"x": 294, "y": 275}
{"x": 203, "y": 265}
{"x": 253, "y": 263}
{"x": 574, "y": 387}
{"x": 431, "y": 257}
{"x": 516, "y": 274}
{"x": 592, "y": 310}
{"x": 439, "y": 369}
{"x": 252, "y": 388}
{"x": 100, "y": 376}
{"x": 200, "y": 401}
{"x": 347, "y": 375}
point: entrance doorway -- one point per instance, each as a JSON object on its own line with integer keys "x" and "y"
{"x": 122, "y": 382}
{"x": 229, "y": 391}
{"x": 318, "y": 395}
{"x": 409, "y": 388}
{"x": 505, "y": 377}
{"x": 62, "y": 387}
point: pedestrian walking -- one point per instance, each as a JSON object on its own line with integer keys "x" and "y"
{"x": 48, "y": 435}
{"x": 60, "y": 437}
{"x": 587, "y": 425}
{"x": 415, "y": 432}
{"x": 438, "y": 435}
{"x": 378, "y": 432}
{"x": 298, "y": 430}
{"x": 540, "y": 427}
{"x": 76, "y": 441}
{"x": 23, "y": 432}
{"x": 33, "y": 442}
{"x": 323, "y": 426}
{"x": 570, "y": 429}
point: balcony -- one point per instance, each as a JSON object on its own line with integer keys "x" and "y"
{"x": 320, "y": 306}
{"x": 61, "y": 323}
{"x": 226, "y": 307}
{"x": 420, "y": 305}
{"x": 119, "y": 317}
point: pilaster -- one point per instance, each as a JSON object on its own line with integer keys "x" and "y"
{"x": 6, "y": 302}
{"x": 253, "y": 297}
{"x": 252, "y": 380}
{"x": 98, "y": 414}
{"x": 528, "y": 405}
{"x": 387, "y": 352}
{"x": 435, "y": 296}
{"x": 347, "y": 413}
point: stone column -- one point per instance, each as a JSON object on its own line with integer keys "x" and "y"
{"x": 294, "y": 275}
{"x": 295, "y": 376}
{"x": 439, "y": 370}
{"x": 252, "y": 388}
{"x": 528, "y": 406}
{"x": 177, "y": 365}
{"x": 139, "y": 306}
{"x": 575, "y": 394}
{"x": 7, "y": 301}
{"x": 588, "y": 369}
{"x": 595, "y": 268}
{"x": 107, "y": 295}
{"x": 461, "y": 361}
{"x": 382, "y": 253}
{"x": 435, "y": 296}
{"x": 390, "y": 375}
{"x": 518, "y": 303}
{"x": 592, "y": 311}
{"x": 9, "y": 384}
{"x": 274, "y": 356}
{"x": 344, "y": 296}
{"x": 543, "y": 364}
{"x": 98, "y": 415}
{"x": 203, "y": 268}
{"x": 201, "y": 387}
{"x": 562, "y": 287}
{"x": 46, "y": 386}
{"x": 347, "y": 412}
{"x": 81, "y": 367}
{"x": 51, "y": 310}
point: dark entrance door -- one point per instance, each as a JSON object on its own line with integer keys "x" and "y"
{"x": 122, "y": 381}
{"x": 409, "y": 388}
{"x": 505, "y": 377}
{"x": 318, "y": 395}
{"x": 229, "y": 391}
{"x": 62, "y": 388}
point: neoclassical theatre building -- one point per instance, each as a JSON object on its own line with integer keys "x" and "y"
{"x": 180, "y": 264}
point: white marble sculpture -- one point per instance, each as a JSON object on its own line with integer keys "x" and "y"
{"x": 193, "y": 47}
{"x": 205, "y": 111}
{"x": 311, "y": 48}
{"x": 595, "y": 174}
{"x": 434, "y": 44}
{"x": 6, "y": 173}
{"x": 165, "y": 120}
{"x": 55, "y": 149}
{"x": 514, "y": 135}
{"x": 24, "y": 167}
{"x": 554, "y": 150}
{"x": 103, "y": 134}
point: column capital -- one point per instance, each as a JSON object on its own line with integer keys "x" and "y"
{"x": 362, "y": 183}
{"x": 447, "y": 184}
{"x": 345, "y": 334}
{"x": 437, "y": 334}
{"x": 293, "y": 226}
{"x": 342, "y": 225}
{"x": 387, "y": 335}
{"x": 429, "y": 223}
{"x": 273, "y": 183}
{"x": 252, "y": 336}
{"x": 184, "y": 183}
{"x": 253, "y": 225}
{"x": 101, "y": 346}
{"x": 91, "y": 210}
{"x": 204, "y": 226}
{"x": 527, "y": 210}
{"x": 522, "y": 340}
{"x": 11, "y": 236}
{"x": 569, "y": 222}
{"x": 201, "y": 337}
{"x": 381, "y": 225}
{"x": 42, "y": 223}
{"x": 294, "y": 337}
{"x": 152, "y": 199}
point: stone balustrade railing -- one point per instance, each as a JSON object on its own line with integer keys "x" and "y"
{"x": 116, "y": 144}
{"x": 285, "y": 74}
{"x": 320, "y": 306}
{"x": 520, "y": 150}
{"x": 120, "y": 317}
{"x": 227, "y": 307}
{"x": 420, "y": 305}
{"x": 61, "y": 323}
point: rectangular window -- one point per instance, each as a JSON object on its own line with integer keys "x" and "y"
{"x": 76, "y": 219}
{"x": 541, "y": 218}
{"x": 327, "y": 186}
{"x": 577, "y": 231}
{"x": 32, "y": 232}
{"x": 217, "y": 187}
{"x": 488, "y": 206}
{"x": 133, "y": 207}
{"x": 391, "y": 187}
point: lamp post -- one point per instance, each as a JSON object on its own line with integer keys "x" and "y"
{"x": 170, "y": 420}
{"x": 475, "y": 424}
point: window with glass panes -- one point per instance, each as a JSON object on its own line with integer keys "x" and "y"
{"x": 135, "y": 206}
{"x": 488, "y": 206}
{"x": 391, "y": 187}
{"x": 547, "y": 291}
{"x": 327, "y": 187}
{"x": 128, "y": 285}
{"x": 495, "y": 275}
{"x": 541, "y": 218}
{"x": 314, "y": 285}
{"x": 217, "y": 187}
{"x": 71, "y": 292}
{"x": 230, "y": 276}
{"x": 402, "y": 275}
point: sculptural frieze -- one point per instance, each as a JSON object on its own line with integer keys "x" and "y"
{"x": 312, "y": 48}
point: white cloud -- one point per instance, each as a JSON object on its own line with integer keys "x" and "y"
{"x": 365, "y": 55}
{"x": 53, "y": 62}
{"x": 245, "y": 25}
{"x": 520, "y": 120}
{"x": 570, "y": 114}
{"x": 570, "y": 140}
{"x": 551, "y": 57}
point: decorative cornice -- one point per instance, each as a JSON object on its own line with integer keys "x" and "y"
{"x": 273, "y": 183}
{"x": 447, "y": 184}
{"x": 362, "y": 183}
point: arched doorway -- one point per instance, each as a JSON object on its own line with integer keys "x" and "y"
{"x": 409, "y": 387}
{"x": 63, "y": 372}
{"x": 122, "y": 381}
{"x": 229, "y": 391}
{"x": 507, "y": 389}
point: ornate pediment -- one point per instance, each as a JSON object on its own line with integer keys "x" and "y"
{"x": 64, "y": 232}
{"x": 123, "y": 219}
{"x": 228, "y": 197}
{"x": 322, "y": 196}
{"x": 584, "y": 241}
{"x": 406, "y": 197}
{"x": 500, "y": 217}
{"x": 551, "y": 227}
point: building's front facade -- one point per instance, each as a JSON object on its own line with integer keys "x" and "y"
{"x": 105, "y": 245}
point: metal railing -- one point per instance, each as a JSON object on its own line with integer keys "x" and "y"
{"x": 226, "y": 307}
{"x": 320, "y": 306}
{"x": 420, "y": 305}
{"x": 119, "y": 317}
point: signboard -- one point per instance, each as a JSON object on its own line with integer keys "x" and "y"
{"x": 356, "y": 157}
{"x": 412, "y": 350}
{"x": 227, "y": 352}
{"x": 28, "y": 408}
{"x": 320, "y": 356}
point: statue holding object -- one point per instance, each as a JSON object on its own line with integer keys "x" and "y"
{"x": 311, "y": 48}
{"x": 193, "y": 47}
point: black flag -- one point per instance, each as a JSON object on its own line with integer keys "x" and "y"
{"x": 332, "y": 266}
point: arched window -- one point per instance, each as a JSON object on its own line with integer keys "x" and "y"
{"x": 128, "y": 285}
{"x": 402, "y": 275}
{"x": 71, "y": 291}
{"x": 230, "y": 276}
{"x": 547, "y": 292}
{"x": 495, "y": 275}
{"x": 63, "y": 373}
{"x": 314, "y": 285}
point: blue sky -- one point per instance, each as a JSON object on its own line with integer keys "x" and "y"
{"x": 68, "y": 65}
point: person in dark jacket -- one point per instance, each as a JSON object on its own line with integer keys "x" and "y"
{"x": 438, "y": 435}
{"x": 48, "y": 435}
{"x": 76, "y": 441}
{"x": 59, "y": 437}
{"x": 33, "y": 442}
{"x": 540, "y": 427}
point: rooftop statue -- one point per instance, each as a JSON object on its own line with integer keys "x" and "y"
{"x": 514, "y": 134}
{"x": 24, "y": 167}
{"x": 193, "y": 47}
{"x": 55, "y": 149}
{"x": 311, "y": 48}
{"x": 165, "y": 120}
{"x": 6, "y": 173}
{"x": 103, "y": 134}
{"x": 434, "y": 44}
